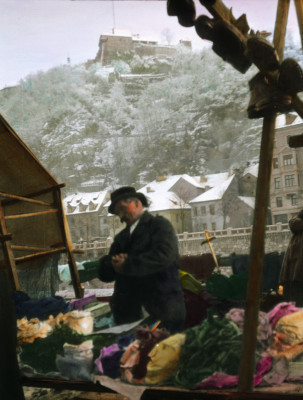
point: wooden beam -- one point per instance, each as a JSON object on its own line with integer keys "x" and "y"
{"x": 14, "y": 196}
{"x": 34, "y": 194}
{"x": 299, "y": 10}
{"x": 29, "y": 248}
{"x": 9, "y": 261}
{"x": 255, "y": 272}
{"x": 30, "y": 257}
{"x": 295, "y": 141}
{"x": 280, "y": 29}
{"x": 35, "y": 214}
{"x": 79, "y": 291}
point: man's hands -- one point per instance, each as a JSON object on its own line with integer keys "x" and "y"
{"x": 118, "y": 261}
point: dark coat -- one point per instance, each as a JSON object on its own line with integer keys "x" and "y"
{"x": 292, "y": 268}
{"x": 150, "y": 276}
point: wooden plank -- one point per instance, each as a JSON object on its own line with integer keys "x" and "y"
{"x": 30, "y": 257}
{"x": 34, "y": 194}
{"x": 8, "y": 254}
{"x": 13, "y": 196}
{"x": 35, "y": 214}
{"x": 29, "y": 248}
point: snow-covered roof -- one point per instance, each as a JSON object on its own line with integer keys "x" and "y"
{"x": 252, "y": 169}
{"x": 165, "y": 183}
{"x": 250, "y": 201}
{"x": 84, "y": 202}
{"x": 162, "y": 184}
{"x": 281, "y": 121}
{"x": 216, "y": 193}
{"x": 165, "y": 201}
{"x": 212, "y": 180}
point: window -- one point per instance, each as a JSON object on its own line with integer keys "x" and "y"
{"x": 195, "y": 210}
{"x": 275, "y": 163}
{"x": 204, "y": 226}
{"x": 289, "y": 180}
{"x": 293, "y": 199}
{"x": 212, "y": 209}
{"x": 279, "y": 201}
{"x": 281, "y": 218}
{"x": 277, "y": 183}
{"x": 288, "y": 159}
{"x": 213, "y": 226}
{"x": 203, "y": 210}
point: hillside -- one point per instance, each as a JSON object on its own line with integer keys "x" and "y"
{"x": 137, "y": 120}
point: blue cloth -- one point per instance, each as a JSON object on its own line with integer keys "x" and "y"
{"x": 41, "y": 309}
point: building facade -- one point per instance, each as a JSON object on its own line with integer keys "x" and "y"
{"x": 286, "y": 188}
{"x": 86, "y": 216}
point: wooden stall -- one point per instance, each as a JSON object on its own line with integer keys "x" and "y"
{"x": 33, "y": 225}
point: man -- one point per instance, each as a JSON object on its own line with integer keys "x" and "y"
{"x": 291, "y": 275}
{"x": 144, "y": 263}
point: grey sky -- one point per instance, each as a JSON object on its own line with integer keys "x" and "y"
{"x": 40, "y": 34}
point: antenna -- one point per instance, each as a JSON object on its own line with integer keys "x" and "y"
{"x": 114, "y": 17}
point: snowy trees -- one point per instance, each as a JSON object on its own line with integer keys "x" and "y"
{"x": 84, "y": 126}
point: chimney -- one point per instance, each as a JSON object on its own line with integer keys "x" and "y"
{"x": 161, "y": 178}
{"x": 290, "y": 118}
{"x": 203, "y": 178}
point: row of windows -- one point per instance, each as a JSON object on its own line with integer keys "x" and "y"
{"x": 293, "y": 197}
{"x": 288, "y": 159}
{"x": 289, "y": 180}
{"x": 211, "y": 210}
{"x": 213, "y": 226}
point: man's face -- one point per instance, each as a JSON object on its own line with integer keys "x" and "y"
{"x": 128, "y": 210}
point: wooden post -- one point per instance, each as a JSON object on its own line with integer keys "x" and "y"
{"x": 79, "y": 291}
{"x": 299, "y": 10}
{"x": 247, "y": 364}
{"x": 10, "y": 265}
{"x": 280, "y": 28}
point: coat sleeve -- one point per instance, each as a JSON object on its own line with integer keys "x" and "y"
{"x": 106, "y": 270}
{"x": 161, "y": 253}
{"x": 296, "y": 223}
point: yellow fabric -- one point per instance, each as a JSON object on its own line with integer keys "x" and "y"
{"x": 163, "y": 359}
{"x": 189, "y": 282}
{"x": 292, "y": 326}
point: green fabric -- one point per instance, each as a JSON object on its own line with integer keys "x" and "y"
{"x": 213, "y": 346}
{"x": 90, "y": 271}
{"x": 41, "y": 354}
{"x": 227, "y": 288}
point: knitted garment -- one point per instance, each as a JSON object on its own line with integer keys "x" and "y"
{"x": 215, "y": 345}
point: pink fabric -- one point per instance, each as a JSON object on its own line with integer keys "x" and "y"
{"x": 220, "y": 379}
{"x": 280, "y": 310}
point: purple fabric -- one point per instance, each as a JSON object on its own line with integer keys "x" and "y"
{"x": 78, "y": 304}
{"x": 108, "y": 363}
{"x": 236, "y": 315}
{"x": 220, "y": 379}
{"x": 279, "y": 311}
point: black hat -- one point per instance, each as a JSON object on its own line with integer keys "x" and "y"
{"x": 123, "y": 193}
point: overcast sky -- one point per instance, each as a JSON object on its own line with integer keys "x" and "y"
{"x": 39, "y": 34}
